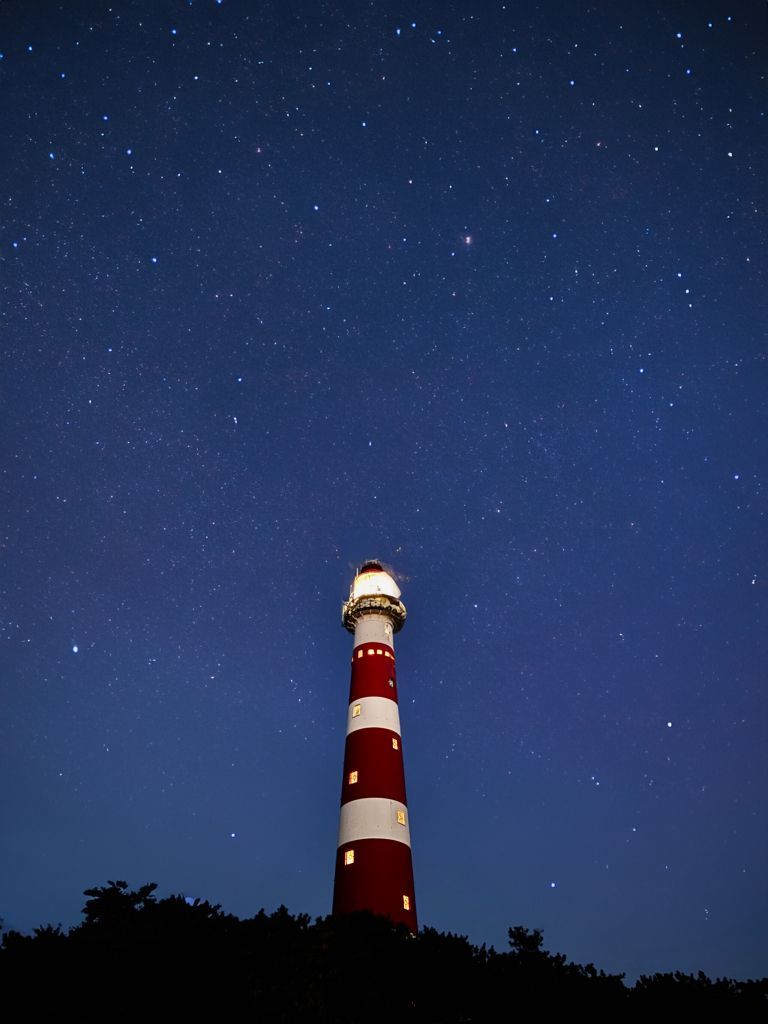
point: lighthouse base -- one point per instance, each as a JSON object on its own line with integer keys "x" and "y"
{"x": 378, "y": 877}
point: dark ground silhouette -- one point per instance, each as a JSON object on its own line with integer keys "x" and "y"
{"x": 136, "y": 954}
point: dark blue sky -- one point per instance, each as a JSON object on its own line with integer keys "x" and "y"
{"x": 477, "y": 289}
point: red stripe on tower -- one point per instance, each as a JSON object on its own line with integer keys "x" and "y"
{"x": 374, "y": 870}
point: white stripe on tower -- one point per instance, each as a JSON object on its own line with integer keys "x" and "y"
{"x": 373, "y": 629}
{"x": 373, "y": 713}
{"x": 374, "y": 818}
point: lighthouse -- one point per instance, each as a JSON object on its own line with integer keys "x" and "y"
{"x": 374, "y": 870}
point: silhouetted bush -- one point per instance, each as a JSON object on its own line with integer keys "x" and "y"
{"x": 135, "y": 954}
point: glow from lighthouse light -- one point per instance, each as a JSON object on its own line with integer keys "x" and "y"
{"x": 369, "y": 584}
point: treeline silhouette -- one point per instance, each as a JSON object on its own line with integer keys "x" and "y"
{"x": 136, "y": 954}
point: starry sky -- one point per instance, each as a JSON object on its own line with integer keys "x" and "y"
{"x": 478, "y": 289}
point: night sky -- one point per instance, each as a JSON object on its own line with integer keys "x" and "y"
{"x": 478, "y": 289}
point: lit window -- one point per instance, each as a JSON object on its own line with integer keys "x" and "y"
{"x": 406, "y": 900}
{"x": 352, "y": 778}
{"x": 371, "y": 650}
{"x": 349, "y": 857}
{"x": 379, "y": 650}
{"x": 360, "y": 653}
{"x": 401, "y": 817}
{"x": 392, "y": 682}
{"x": 387, "y": 654}
{"x": 395, "y": 744}
{"x": 356, "y": 711}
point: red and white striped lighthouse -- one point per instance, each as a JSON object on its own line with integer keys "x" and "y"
{"x": 373, "y": 861}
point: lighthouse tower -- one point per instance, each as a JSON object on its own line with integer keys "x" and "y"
{"x": 373, "y": 861}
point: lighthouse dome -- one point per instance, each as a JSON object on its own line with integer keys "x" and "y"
{"x": 372, "y": 580}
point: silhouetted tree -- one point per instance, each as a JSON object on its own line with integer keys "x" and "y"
{"x": 114, "y": 903}
{"x": 137, "y": 954}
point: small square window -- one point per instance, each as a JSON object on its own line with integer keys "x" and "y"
{"x": 356, "y": 711}
{"x": 395, "y": 744}
{"x": 379, "y": 650}
{"x": 401, "y": 817}
{"x": 371, "y": 650}
{"x": 391, "y": 682}
{"x": 406, "y": 902}
{"x": 349, "y": 857}
{"x": 352, "y": 778}
{"x": 360, "y": 653}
